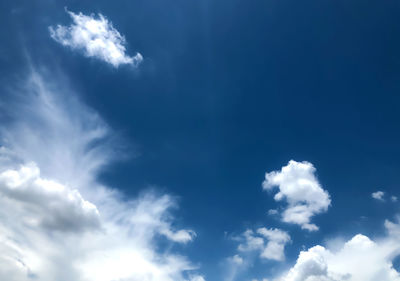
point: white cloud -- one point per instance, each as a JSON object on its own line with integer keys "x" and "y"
{"x": 251, "y": 242}
{"x": 236, "y": 259}
{"x": 269, "y": 242}
{"x": 273, "y": 212}
{"x": 378, "y": 195}
{"x": 57, "y": 222}
{"x": 96, "y": 37}
{"x": 50, "y": 204}
{"x": 277, "y": 239}
{"x": 393, "y": 198}
{"x": 359, "y": 259}
{"x": 300, "y": 188}
{"x": 264, "y": 243}
{"x": 197, "y": 278}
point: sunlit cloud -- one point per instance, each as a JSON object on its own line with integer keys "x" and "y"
{"x": 300, "y": 188}
{"x": 57, "y": 222}
{"x": 95, "y": 37}
{"x": 359, "y": 259}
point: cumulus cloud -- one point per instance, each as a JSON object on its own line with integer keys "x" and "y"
{"x": 299, "y": 187}
{"x": 378, "y": 195}
{"x": 50, "y": 204}
{"x": 96, "y": 37}
{"x": 269, "y": 242}
{"x": 263, "y": 243}
{"x": 360, "y": 259}
{"x": 57, "y": 222}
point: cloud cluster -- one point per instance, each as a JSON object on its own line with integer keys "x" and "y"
{"x": 57, "y": 222}
{"x": 269, "y": 242}
{"x": 96, "y": 37}
{"x": 359, "y": 259}
{"x": 380, "y": 196}
{"x": 300, "y": 188}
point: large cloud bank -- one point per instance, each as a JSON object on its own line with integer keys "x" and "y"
{"x": 360, "y": 259}
{"x": 299, "y": 187}
{"x": 57, "y": 222}
{"x": 96, "y": 37}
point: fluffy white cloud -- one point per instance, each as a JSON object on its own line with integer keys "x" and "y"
{"x": 269, "y": 242}
{"x": 300, "y": 188}
{"x": 378, "y": 195}
{"x": 264, "y": 243}
{"x": 50, "y": 204}
{"x": 96, "y": 37}
{"x": 277, "y": 239}
{"x": 359, "y": 259}
{"x": 57, "y": 222}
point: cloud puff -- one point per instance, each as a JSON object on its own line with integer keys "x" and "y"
{"x": 57, "y": 222}
{"x": 300, "y": 188}
{"x": 269, "y": 242}
{"x": 264, "y": 243}
{"x": 359, "y": 259}
{"x": 378, "y": 195}
{"x": 50, "y": 204}
{"x": 236, "y": 259}
{"x": 96, "y": 37}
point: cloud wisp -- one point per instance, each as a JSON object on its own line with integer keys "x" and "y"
{"x": 299, "y": 187}
{"x": 57, "y": 222}
{"x": 96, "y": 37}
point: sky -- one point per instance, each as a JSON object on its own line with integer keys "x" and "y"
{"x": 205, "y": 140}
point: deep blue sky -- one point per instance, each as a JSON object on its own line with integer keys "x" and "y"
{"x": 229, "y": 90}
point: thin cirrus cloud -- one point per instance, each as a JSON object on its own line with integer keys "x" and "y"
{"x": 57, "y": 222}
{"x": 300, "y": 188}
{"x": 359, "y": 259}
{"x": 95, "y": 37}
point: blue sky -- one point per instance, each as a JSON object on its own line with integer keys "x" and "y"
{"x": 199, "y": 140}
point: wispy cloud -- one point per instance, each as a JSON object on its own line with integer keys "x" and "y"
{"x": 57, "y": 222}
{"x": 300, "y": 188}
{"x": 96, "y": 37}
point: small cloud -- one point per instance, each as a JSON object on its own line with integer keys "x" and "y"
{"x": 394, "y": 198}
{"x": 273, "y": 212}
{"x": 96, "y": 37}
{"x": 236, "y": 259}
{"x": 197, "y": 278}
{"x": 269, "y": 242}
{"x": 378, "y": 195}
